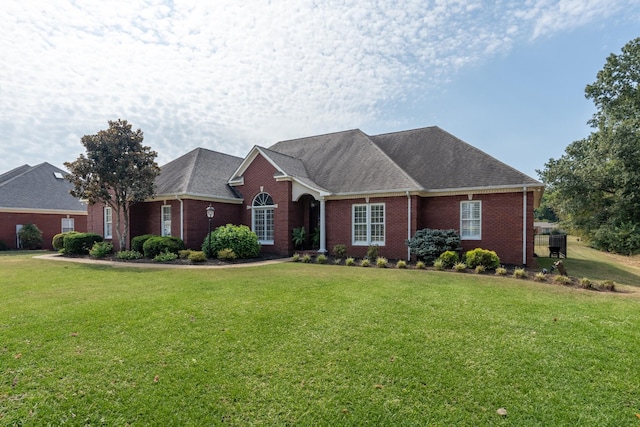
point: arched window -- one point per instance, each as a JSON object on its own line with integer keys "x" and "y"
{"x": 262, "y": 218}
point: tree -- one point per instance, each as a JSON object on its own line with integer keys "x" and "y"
{"x": 117, "y": 171}
{"x": 594, "y": 185}
{"x": 30, "y": 236}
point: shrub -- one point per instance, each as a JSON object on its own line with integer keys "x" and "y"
{"x": 520, "y": 273}
{"x": 372, "y": 253}
{"x": 227, "y": 254}
{"x": 137, "y": 242}
{"x": 609, "y": 285}
{"x": 420, "y": 265}
{"x": 501, "y": 271}
{"x": 438, "y": 265}
{"x": 157, "y": 245}
{"x": 365, "y": 262}
{"x": 238, "y": 238}
{"x": 128, "y": 255}
{"x": 165, "y": 256}
{"x": 480, "y": 269}
{"x": 337, "y": 261}
{"x": 184, "y": 253}
{"x": 196, "y": 256}
{"x": 540, "y": 277}
{"x": 3, "y": 246}
{"x": 30, "y": 236}
{"x": 58, "y": 240}
{"x": 350, "y": 262}
{"x": 427, "y": 244}
{"x": 299, "y": 237}
{"x": 101, "y": 249}
{"x": 449, "y": 258}
{"x": 586, "y": 283}
{"x": 488, "y": 259}
{"x": 340, "y": 251}
{"x": 460, "y": 267}
{"x": 381, "y": 262}
{"x": 401, "y": 264}
{"x": 296, "y": 257}
{"x": 80, "y": 243}
{"x": 563, "y": 280}
{"x": 321, "y": 259}
{"x": 306, "y": 258}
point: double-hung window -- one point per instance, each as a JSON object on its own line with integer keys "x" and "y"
{"x": 368, "y": 225}
{"x": 166, "y": 220}
{"x": 67, "y": 225}
{"x": 262, "y": 218}
{"x": 471, "y": 220}
{"x": 108, "y": 222}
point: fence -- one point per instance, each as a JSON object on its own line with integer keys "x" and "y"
{"x": 551, "y": 245}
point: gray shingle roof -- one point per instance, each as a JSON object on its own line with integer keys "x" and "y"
{"x": 200, "y": 172}
{"x": 36, "y": 187}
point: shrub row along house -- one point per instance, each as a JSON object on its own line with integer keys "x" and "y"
{"x": 38, "y": 195}
{"x": 344, "y": 188}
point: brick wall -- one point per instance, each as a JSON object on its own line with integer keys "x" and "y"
{"x": 50, "y": 224}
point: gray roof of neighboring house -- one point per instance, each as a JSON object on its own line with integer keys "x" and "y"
{"x": 200, "y": 172}
{"x": 36, "y": 187}
{"x": 421, "y": 159}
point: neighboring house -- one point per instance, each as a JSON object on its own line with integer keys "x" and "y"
{"x": 38, "y": 195}
{"x": 357, "y": 190}
{"x": 544, "y": 227}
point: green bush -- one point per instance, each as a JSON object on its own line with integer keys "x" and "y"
{"x": 365, "y": 262}
{"x": 563, "y": 280}
{"x": 621, "y": 239}
{"x": 137, "y": 243}
{"x": 157, "y": 245}
{"x": 460, "y": 267}
{"x": 427, "y": 244}
{"x": 197, "y": 256}
{"x": 486, "y": 258}
{"x": 227, "y": 254}
{"x": 480, "y": 269}
{"x": 420, "y": 265}
{"x": 340, "y": 251}
{"x": 238, "y": 238}
{"x": 306, "y": 258}
{"x": 128, "y": 255}
{"x": 321, "y": 259}
{"x": 101, "y": 249}
{"x": 30, "y": 236}
{"x": 449, "y": 259}
{"x": 438, "y": 265}
{"x": 165, "y": 256}
{"x": 80, "y": 243}
{"x": 184, "y": 254}
{"x": 372, "y": 253}
{"x": 381, "y": 262}
{"x": 520, "y": 273}
{"x": 296, "y": 257}
{"x": 58, "y": 240}
{"x": 350, "y": 262}
{"x": 3, "y": 246}
{"x": 401, "y": 264}
{"x": 501, "y": 271}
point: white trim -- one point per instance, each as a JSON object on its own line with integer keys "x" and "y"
{"x": 266, "y": 209}
{"x": 369, "y": 225}
{"x": 42, "y": 211}
{"x": 105, "y": 223}
{"x": 194, "y": 196}
{"x": 524, "y": 226}
{"x": 164, "y": 231}
{"x": 475, "y": 236}
{"x": 72, "y": 223}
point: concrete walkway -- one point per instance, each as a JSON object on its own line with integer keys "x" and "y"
{"x": 58, "y": 257}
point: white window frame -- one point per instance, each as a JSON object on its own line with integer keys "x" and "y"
{"x": 363, "y": 229}
{"x": 108, "y": 222}
{"x": 263, "y": 218}
{"x": 165, "y": 220}
{"x": 471, "y": 212}
{"x": 70, "y": 225}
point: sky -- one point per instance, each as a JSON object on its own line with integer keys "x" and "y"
{"x": 506, "y": 76}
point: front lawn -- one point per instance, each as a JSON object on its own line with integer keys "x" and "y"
{"x": 304, "y": 344}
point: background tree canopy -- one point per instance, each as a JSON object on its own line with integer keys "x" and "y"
{"x": 117, "y": 171}
{"x": 595, "y": 186}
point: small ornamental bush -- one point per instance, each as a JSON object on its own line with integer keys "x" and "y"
{"x": 306, "y": 258}
{"x": 157, "y": 245}
{"x": 420, "y": 265}
{"x": 296, "y": 257}
{"x": 137, "y": 242}
{"x": 586, "y": 283}
{"x": 381, "y": 262}
{"x": 501, "y": 271}
{"x": 128, "y": 255}
{"x": 540, "y": 277}
{"x": 238, "y": 238}
{"x": 165, "y": 256}
{"x": 350, "y": 262}
{"x": 401, "y": 264}
{"x": 372, "y": 253}
{"x": 563, "y": 280}
{"x": 427, "y": 244}
{"x": 609, "y": 285}
{"x": 80, "y": 243}
{"x": 460, "y": 267}
{"x": 321, "y": 259}
{"x": 184, "y": 253}
{"x": 438, "y": 264}
{"x": 480, "y": 269}
{"x": 101, "y": 249}
{"x": 365, "y": 262}
{"x": 337, "y": 261}
{"x": 196, "y": 257}
{"x": 58, "y": 240}
{"x": 30, "y": 236}
{"x": 3, "y": 246}
{"x": 340, "y": 251}
{"x": 488, "y": 259}
{"x": 520, "y": 273}
{"x": 449, "y": 259}
{"x": 227, "y": 254}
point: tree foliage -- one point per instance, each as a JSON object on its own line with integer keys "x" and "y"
{"x": 594, "y": 185}
{"x": 117, "y": 171}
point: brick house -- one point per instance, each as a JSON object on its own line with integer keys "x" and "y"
{"x": 355, "y": 189}
{"x": 38, "y": 195}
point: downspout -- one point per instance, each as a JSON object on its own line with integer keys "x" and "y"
{"x": 408, "y": 225}
{"x": 323, "y": 230}
{"x": 524, "y": 226}
{"x": 181, "y": 217}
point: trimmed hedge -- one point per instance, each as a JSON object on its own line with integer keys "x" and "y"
{"x": 137, "y": 242}
{"x": 239, "y": 238}
{"x": 157, "y": 245}
{"x": 80, "y": 243}
{"x": 58, "y": 240}
{"x": 484, "y": 257}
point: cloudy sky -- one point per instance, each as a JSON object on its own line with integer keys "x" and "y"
{"x": 506, "y": 76}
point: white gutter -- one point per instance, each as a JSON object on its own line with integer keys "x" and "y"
{"x": 408, "y": 225}
{"x": 181, "y": 217}
{"x": 524, "y": 225}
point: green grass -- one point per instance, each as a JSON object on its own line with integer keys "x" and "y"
{"x": 307, "y": 344}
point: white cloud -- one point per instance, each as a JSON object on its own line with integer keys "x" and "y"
{"x": 227, "y": 74}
